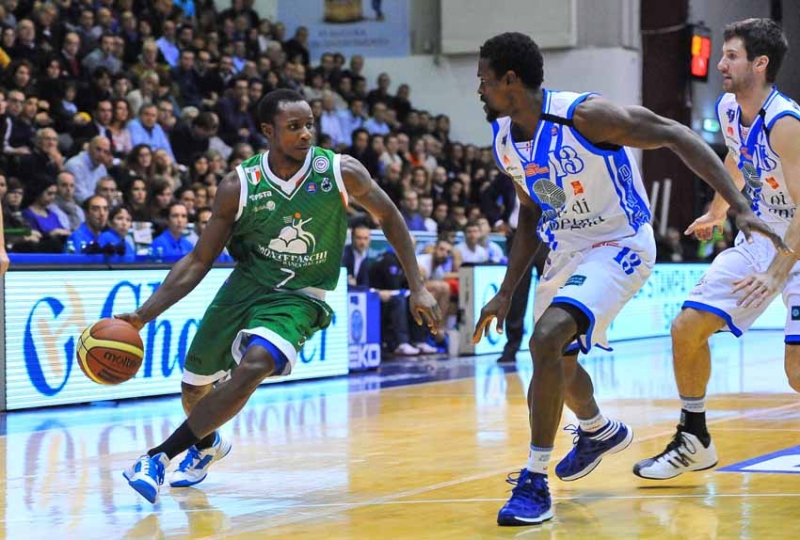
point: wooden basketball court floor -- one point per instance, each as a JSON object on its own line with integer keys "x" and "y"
{"x": 419, "y": 451}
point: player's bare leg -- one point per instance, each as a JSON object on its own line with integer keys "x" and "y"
{"x": 691, "y": 449}
{"x": 595, "y": 436}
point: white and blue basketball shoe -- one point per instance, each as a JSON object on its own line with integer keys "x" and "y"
{"x": 589, "y": 448}
{"x": 194, "y": 467}
{"x": 147, "y": 474}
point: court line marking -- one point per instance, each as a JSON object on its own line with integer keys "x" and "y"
{"x": 294, "y": 519}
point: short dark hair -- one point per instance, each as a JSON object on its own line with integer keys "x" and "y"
{"x": 270, "y": 103}
{"x": 761, "y": 37}
{"x": 360, "y": 224}
{"x": 513, "y": 51}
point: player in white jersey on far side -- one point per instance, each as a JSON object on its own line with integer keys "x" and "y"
{"x": 761, "y": 127}
{"x": 576, "y": 179}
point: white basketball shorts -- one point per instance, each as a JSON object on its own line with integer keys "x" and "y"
{"x": 599, "y": 281}
{"x": 714, "y": 292}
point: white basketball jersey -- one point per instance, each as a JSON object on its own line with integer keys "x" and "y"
{"x": 759, "y": 164}
{"x": 588, "y": 193}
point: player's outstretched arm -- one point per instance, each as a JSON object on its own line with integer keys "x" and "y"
{"x": 191, "y": 269}
{"x": 759, "y": 287}
{"x": 362, "y": 188}
{"x": 526, "y": 243}
{"x": 601, "y": 121}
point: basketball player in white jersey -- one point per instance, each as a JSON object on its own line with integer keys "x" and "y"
{"x": 580, "y": 187}
{"x": 761, "y": 127}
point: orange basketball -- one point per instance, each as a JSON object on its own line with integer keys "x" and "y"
{"x": 110, "y": 351}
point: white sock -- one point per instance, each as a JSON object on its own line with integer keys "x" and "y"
{"x": 591, "y": 425}
{"x": 539, "y": 459}
{"x": 693, "y": 405}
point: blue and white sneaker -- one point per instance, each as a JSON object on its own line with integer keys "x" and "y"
{"x": 589, "y": 448}
{"x": 194, "y": 467}
{"x": 147, "y": 475}
{"x": 530, "y": 500}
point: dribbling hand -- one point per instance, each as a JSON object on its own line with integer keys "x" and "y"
{"x": 133, "y": 319}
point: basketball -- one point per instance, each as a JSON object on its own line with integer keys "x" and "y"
{"x": 110, "y": 351}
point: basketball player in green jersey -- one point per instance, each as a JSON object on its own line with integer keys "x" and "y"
{"x": 283, "y": 217}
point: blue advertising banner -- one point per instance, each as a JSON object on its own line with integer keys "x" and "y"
{"x": 46, "y": 312}
{"x": 365, "y": 27}
{"x": 365, "y": 329}
{"x": 648, "y": 314}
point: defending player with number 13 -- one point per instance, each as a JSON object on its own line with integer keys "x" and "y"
{"x": 580, "y": 192}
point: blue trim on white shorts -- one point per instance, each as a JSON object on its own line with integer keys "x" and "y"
{"x": 587, "y": 346}
{"x": 793, "y": 339}
{"x": 716, "y": 311}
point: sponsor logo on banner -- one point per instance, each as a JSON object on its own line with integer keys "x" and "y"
{"x": 49, "y": 315}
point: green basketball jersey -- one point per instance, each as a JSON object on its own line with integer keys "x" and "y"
{"x": 290, "y": 234}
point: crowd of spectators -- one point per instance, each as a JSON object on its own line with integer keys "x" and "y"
{"x": 151, "y": 102}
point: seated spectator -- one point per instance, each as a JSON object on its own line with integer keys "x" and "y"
{"x": 186, "y": 197}
{"x": 89, "y": 167}
{"x": 69, "y": 211}
{"x": 135, "y": 199}
{"x": 472, "y": 252}
{"x": 44, "y": 162}
{"x": 440, "y": 270}
{"x": 387, "y": 277}
{"x": 172, "y": 243}
{"x": 103, "y": 56}
{"x": 390, "y": 154}
{"x": 409, "y": 206}
{"x": 203, "y": 215}
{"x": 352, "y": 118}
{"x": 426, "y": 211}
{"x": 18, "y": 235}
{"x": 39, "y": 215}
{"x": 496, "y": 253}
{"x": 146, "y": 130}
{"x": 164, "y": 166}
{"x": 381, "y": 94}
{"x": 100, "y": 125}
{"x": 159, "y": 199}
{"x": 362, "y": 152}
{"x": 86, "y": 238}
{"x": 19, "y": 130}
{"x": 192, "y": 139}
{"x": 330, "y": 122}
{"x": 145, "y": 94}
{"x": 119, "y": 224}
{"x": 120, "y": 135}
{"x": 107, "y": 187}
{"x": 139, "y": 163}
{"x": 377, "y": 124}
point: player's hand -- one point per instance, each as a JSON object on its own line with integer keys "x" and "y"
{"x": 748, "y": 223}
{"x": 755, "y": 289}
{"x": 703, "y": 227}
{"x": 425, "y": 309}
{"x": 4, "y": 262}
{"x": 133, "y": 319}
{"x": 497, "y": 308}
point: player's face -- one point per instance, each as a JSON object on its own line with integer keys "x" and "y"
{"x": 292, "y": 130}
{"x": 737, "y": 71}
{"x": 491, "y": 91}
